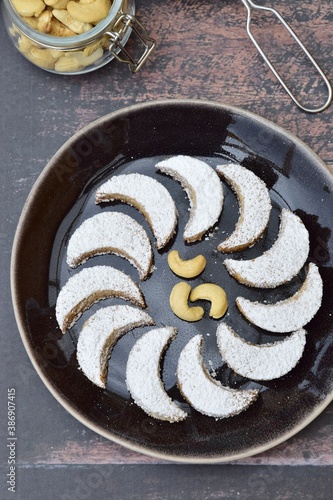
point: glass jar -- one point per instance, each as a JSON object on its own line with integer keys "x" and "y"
{"x": 85, "y": 52}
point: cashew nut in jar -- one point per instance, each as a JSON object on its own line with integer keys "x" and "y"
{"x": 89, "y": 11}
{"x": 73, "y": 24}
{"x": 45, "y": 58}
{"x": 25, "y": 44}
{"x": 57, "y": 4}
{"x": 29, "y": 8}
{"x": 73, "y": 61}
{"x": 67, "y": 64}
{"x": 89, "y": 49}
{"x": 44, "y": 22}
{"x": 59, "y": 29}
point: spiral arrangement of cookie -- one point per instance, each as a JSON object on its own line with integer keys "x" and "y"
{"x": 113, "y": 232}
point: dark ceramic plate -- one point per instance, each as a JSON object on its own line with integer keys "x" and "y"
{"x": 133, "y": 140}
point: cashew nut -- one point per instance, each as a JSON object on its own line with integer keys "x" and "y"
{"x": 86, "y": 60}
{"x": 13, "y": 31}
{"x": 186, "y": 268}
{"x": 59, "y": 29}
{"x": 179, "y": 303}
{"x": 67, "y": 64}
{"x": 73, "y": 24}
{"x": 29, "y": 8}
{"x": 215, "y": 294}
{"x": 31, "y": 21}
{"x": 42, "y": 57}
{"x": 25, "y": 44}
{"x": 89, "y": 49}
{"x": 44, "y": 22}
{"x": 57, "y": 4}
{"x": 92, "y": 12}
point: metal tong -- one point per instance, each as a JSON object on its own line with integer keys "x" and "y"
{"x": 251, "y": 6}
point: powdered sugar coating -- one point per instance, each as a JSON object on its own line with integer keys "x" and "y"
{"x": 111, "y": 232}
{"x": 204, "y": 191}
{"x": 149, "y": 197}
{"x": 290, "y": 314}
{"x": 99, "y": 335}
{"x": 92, "y": 285}
{"x": 260, "y": 362}
{"x": 281, "y": 262}
{"x": 204, "y": 393}
{"x": 143, "y": 376}
{"x": 254, "y": 206}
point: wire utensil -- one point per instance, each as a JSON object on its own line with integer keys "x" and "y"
{"x": 253, "y": 6}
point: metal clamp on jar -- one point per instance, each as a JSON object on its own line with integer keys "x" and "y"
{"x": 74, "y": 37}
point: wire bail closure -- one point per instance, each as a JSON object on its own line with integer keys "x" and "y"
{"x": 251, "y": 5}
{"x": 117, "y": 48}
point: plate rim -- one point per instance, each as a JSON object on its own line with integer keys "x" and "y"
{"x": 189, "y": 459}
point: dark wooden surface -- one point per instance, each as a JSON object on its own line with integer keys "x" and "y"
{"x": 203, "y": 53}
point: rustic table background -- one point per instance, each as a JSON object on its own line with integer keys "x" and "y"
{"x": 202, "y": 53}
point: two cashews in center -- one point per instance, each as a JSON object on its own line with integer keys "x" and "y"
{"x": 182, "y": 293}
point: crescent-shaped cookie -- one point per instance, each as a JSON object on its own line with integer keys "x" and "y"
{"x": 204, "y": 393}
{"x": 254, "y": 206}
{"x": 89, "y": 286}
{"x": 99, "y": 335}
{"x": 148, "y": 196}
{"x": 260, "y": 361}
{"x": 143, "y": 376}
{"x": 111, "y": 232}
{"x": 281, "y": 262}
{"x": 287, "y": 315}
{"x": 204, "y": 190}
